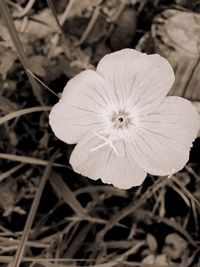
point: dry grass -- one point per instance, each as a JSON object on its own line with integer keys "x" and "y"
{"x": 54, "y": 218}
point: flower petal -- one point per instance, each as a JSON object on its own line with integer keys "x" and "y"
{"x": 85, "y": 101}
{"x": 163, "y": 139}
{"x": 139, "y": 81}
{"x": 119, "y": 170}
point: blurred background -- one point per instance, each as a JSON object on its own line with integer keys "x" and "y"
{"x": 51, "y": 216}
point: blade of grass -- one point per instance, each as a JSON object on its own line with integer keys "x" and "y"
{"x": 68, "y": 236}
{"x": 48, "y": 261}
{"x": 131, "y": 208}
{"x": 10, "y": 241}
{"x": 78, "y": 241}
{"x": 30, "y": 160}
{"x": 25, "y": 10}
{"x": 176, "y": 226}
{"x": 22, "y": 245}
{"x": 109, "y": 264}
{"x": 102, "y": 188}
{"x": 67, "y": 12}
{"x": 141, "y": 264}
{"x": 91, "y": 219}
{"x": 181, "y": 194}
{"x": 19, "y": 47}
{"x": 124, "y": 244}
{"x": 8, "y": 173}
{"x": 191, "y": 171}
{"x": 89, "y": 26}
{"x": 38, "y": 227}
{"x": 131, "y": 251}
{"x": 14, "y": 5}
{"x": 194, "y": 211}
{"x": 185, "y": 190}
{"x": 66, "y": 194}
{"x": 43, "y": 84}
{"x": 21, "y": 112}
{"x": 66, "y": 44}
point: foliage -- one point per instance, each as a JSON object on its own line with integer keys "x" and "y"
{"x": 72, "y": 221}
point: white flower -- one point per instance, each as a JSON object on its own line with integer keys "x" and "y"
{"x": 122, "y": 121}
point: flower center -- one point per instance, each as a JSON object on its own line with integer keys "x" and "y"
{"x": 119, "y": 124}
{"x": 120, "y": 120}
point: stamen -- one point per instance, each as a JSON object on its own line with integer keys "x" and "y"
{"x": 108, "y": 141}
